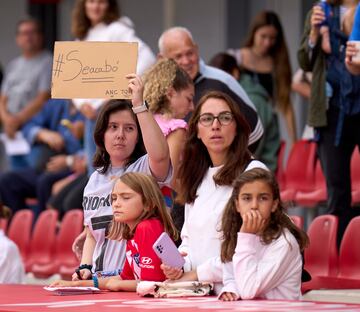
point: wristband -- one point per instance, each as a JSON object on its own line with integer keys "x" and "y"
{"x": 142, "y": 108}
{"x": 85, "y": 266}
{"x": 81, "y": 267}
{"x": 96, "y": 281}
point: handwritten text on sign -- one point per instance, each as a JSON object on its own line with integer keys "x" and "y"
{"x": 93, "y": 69}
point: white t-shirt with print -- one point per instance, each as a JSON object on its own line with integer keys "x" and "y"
{"x": 108, "y": 254}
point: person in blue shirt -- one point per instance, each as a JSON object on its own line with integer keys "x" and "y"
{"x": 53, "y": 134}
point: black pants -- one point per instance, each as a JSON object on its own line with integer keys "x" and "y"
{"x": 17, "y": 185}
{"x": 71, "y": 196}
{"x": 335, "y": 162}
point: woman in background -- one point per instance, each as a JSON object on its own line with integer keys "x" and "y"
{"x": 100, "y": 20}
{"x": 265, "y": 58}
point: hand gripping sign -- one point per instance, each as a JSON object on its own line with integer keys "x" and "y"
{"x": 83, "y": 69}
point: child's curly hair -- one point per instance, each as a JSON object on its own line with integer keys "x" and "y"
{"x": 163, "y": 75}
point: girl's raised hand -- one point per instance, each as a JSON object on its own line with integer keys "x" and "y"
{"x": 253, "y": 222}
{"x": 136, "y": 87}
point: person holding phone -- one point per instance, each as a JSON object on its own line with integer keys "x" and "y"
{"x": 215, "y": 153}
{"x": 123, "y": 134}
{"x": 334, "y": 111}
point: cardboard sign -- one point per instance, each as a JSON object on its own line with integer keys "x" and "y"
{"x": 83, "y": 69}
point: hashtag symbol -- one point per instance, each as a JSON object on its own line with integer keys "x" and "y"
{"x": 59, "y": 61}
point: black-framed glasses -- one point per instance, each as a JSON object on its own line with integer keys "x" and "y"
{"x": 224, "y": 118}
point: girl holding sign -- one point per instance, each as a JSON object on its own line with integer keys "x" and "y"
{"x": 123, "y": 134}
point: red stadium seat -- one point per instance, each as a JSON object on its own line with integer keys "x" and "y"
{"x": 321, "y": 257}
{"x": 349, "y": 259}
{"x": 42, "y": 244}
{"x": 64, "y": 262}
{"x": 348, "y": 276}
{"x": 20, "y": 230}
{"x": 71, "y": 227}
{"x": 299, "y": 174}
{"x": 317, "y": 195}
{"x": 298, "y": 221}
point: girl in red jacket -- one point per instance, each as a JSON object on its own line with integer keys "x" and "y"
{"x": 140, "y": 216}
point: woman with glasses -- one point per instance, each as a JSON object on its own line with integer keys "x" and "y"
{"x": 215, "y": 154}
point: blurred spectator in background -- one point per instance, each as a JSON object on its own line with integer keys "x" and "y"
{"x": 54, "y": 133}
{"x": 332, "y": 113}
{"x": 26, "y": 84}
{"x": 177, "y": 43}
{"x": 265, "y": 58}
{"x": 301, "y": 84}
{"x": 353, "y": 65}
{"x": 101, "y": 20}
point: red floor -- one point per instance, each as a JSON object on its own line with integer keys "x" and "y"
{"x": 35, "y": 298}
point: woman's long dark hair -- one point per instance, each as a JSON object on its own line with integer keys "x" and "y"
{"x": 280, "y": 55}
{"x": 101, "y": 159}
{"x": 196, "y": 159}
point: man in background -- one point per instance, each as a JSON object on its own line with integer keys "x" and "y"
{"x": 27, "y": 81}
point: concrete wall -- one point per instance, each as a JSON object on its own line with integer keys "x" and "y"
{"x": 10, "y": 12}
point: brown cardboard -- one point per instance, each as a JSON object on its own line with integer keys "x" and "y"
{"x": 83, "y": 69}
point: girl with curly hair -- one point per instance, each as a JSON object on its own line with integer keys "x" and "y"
{"x": 169, "y": 91}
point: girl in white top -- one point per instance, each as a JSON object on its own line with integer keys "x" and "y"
{"x": 11, "y": 265}
{"x": 120, "y": 136}
{"x": 215, "y": 154}
{"x": 261, "y": 241}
